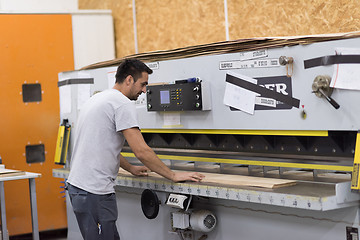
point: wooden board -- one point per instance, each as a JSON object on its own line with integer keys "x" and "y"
{"x": 235, "y": 180}
{"x": 10, "y": 173}
{"x": 249, "y": 44}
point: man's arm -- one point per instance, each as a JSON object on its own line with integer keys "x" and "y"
{"x": 148, "y": 157}
{"x": 134, "y": 170}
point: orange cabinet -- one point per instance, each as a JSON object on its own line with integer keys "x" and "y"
{"x": 34, "y": 48}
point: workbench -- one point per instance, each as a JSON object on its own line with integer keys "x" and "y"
{"x": 34, "y": 217}
{"x": 304, "y": 195}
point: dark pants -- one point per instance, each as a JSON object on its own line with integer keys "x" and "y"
{"x": 95, "y": 214}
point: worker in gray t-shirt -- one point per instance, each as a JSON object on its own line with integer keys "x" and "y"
{"x": 105, "y": 121}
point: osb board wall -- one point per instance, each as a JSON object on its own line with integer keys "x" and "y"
{"x": 265, "y": 18}
{"x": 169, "y": 24}
{"x": 123, "y": 22}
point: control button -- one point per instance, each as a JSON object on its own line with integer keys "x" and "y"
{"x": 196, "y": 89}
{"x": 197, "y": 96}
{"x": 149, "y": 106}
{"x": 197, "y": 105}
{"x": 148, "y": 91}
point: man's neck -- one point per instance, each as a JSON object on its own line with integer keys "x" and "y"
{"x": 120, "y": 88}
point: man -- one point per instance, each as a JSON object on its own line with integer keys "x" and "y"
{"x": 105, "y": 121}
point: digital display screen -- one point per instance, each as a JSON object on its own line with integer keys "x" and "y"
{"x": 165, "y": 97}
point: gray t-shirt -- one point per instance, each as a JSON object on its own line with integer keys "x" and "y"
{"x": 98, "y": 142}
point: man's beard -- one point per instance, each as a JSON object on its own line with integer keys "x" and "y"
{"x": 134, "y": 98}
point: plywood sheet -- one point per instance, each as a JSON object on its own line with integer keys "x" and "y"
{"x": 165, "y": 24}
{"x": 260, "y": 18}
{"x": 234, "y": 180}
{"x": 228, "y": 47}
{"x": 10, "y": 173}
{"x": 169, "y": 24}
{"x": 248, "y": 181}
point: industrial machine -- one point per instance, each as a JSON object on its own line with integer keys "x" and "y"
{"x": 282, "y": 109}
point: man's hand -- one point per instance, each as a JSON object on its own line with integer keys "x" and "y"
{"x": 139, "y": 170}
{"x": 148, "y": 157}
{"x": 187, "y": 176}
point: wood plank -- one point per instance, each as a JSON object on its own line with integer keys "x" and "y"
{"x": 234, "y": 180}
{"x": 10, "y": 172}
{"x": 247, "y": 44}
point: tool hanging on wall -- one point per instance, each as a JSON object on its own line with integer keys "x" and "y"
{"x": 62, "y": 142}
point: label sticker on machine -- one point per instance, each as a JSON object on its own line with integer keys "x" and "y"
{"x": 153, "y": 65}
{"x": 253, "y": 54}
{"x": 237, "y": 64}
{"x": 279, "y": 96}
{"x": 352, "y": 233}
{"x": 111, "y": 78}
{"x": 265, "y": 102}
{"x": 280, "y": 84}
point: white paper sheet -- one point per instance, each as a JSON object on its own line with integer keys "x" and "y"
{"x": 83, "y": 90}
{"x": 111, "y": 78}
{"x": 238, "y": 97}
{"x": 346, "y": 76}
{"x": 65, "y": 99}
{"x": 83, "y": 94}
{"x": 172, "y": 120}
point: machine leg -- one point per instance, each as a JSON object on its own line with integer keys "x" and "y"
{"x": 3, "y": 212}
{"x": 34, "y": 216}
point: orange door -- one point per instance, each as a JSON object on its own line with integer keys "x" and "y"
{"x": 33, "y": 50}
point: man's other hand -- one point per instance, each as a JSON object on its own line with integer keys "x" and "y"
{"x": 139, "y": 170}
{"x": 187, "y": 176}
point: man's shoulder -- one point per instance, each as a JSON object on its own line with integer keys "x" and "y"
{"x": 113, "y": 97}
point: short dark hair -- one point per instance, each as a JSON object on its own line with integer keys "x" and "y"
{"x": 133, "y": 67}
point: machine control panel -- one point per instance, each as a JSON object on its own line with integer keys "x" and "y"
{"x": 189, "y": 96}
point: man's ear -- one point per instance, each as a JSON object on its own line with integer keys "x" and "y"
{"x": 129, "y": 79}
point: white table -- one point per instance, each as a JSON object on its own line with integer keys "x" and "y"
{"x": 34, "y": 216}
